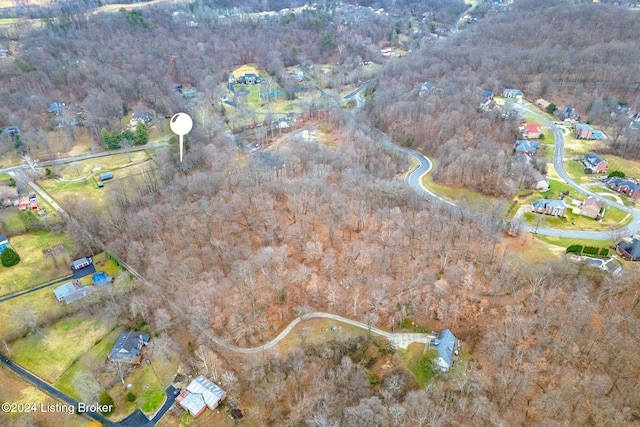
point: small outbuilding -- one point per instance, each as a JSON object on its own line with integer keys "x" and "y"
{"x": 81, "y": 263}
{"x": 104, "y": 176}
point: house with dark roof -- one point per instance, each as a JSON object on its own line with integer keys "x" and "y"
{"x": 426, "y": 88}
{"x": 128, "y": 348}
{"x": 570, "y": 113}
{"x": 629, "y": 249}
{"x": 532, "y": 131}
{"x": 200, "y": 395}
{"x": 446, "y": 344}
{"x": 583, "y": 131}
{"x": 626, "y": 186}
{"x": 550, "y": 207}
{"x": 525, "y": 146}
{"x": 249, "y": 79}
{"x": 594, "y": 163}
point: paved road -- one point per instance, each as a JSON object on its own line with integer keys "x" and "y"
{"x": 51, "y": 390}
{"x": 558, "y": 163}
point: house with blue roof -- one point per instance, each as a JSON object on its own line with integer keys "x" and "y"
{"x": 583, "y": 131}
{"x": 550, "y": 207}
{"x": 525, "y": 146}
{"x": 446, "y": 344}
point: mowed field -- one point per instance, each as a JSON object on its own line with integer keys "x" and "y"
{"x": 16, "y": 390}
{"x": 34, "y": 269}
{"x": 50, "y": 352}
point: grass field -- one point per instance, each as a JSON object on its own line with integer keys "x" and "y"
{"x": 94, "y": 357}
{"x": 52, "y": 351}
{"x": 16, "y": 390}
{"x": 34, "y": 269}
{"x": 413, "y": 358}
{"x": 147, "y": 384}
{"x": 564, "y": 242}
{"x": 457, "y": 194}
{"x": 77, "y": 180}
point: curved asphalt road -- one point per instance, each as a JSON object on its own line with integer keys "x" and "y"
{"x": 558, "y": 163}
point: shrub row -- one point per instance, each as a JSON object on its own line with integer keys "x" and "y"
{"x": 588, "y": 250}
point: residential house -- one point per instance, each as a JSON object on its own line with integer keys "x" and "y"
{"x": 23, "y": 203}
{"x": 513, "y": 93}
{"x": 525, "y": 146}
{"x": 128, "y": 347}
{"x": 539, "y": 181}
{"x": 542, "y": 103}
{"x": 594, "y": 163}
{"x": 426, "y": 89}
{"x": 55, "y": 108}
{"x": 81, "y": 263}
{"x": 591, "y": 207}
{"x": 629, "y": 249}
{"x": 487, "y": 95}
{"x": 626, "y": 186}
{"x": 200, "y": 395}
{"x": 550, "y": 207}
{"x": 532, "y": 131}
{"x": 445, "y": 343}
{"x": 189, "y": 93}
{"x": 490, "y": 105}
{"x": 583, "y": 131}
{"x": 248, "y": 79}
{"x": 11, "y": 130}
{"x": 4, "y": 53}
{"x": 570, "y": 113}
{"x": 70, "y": 292}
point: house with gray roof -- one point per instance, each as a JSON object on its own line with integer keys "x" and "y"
{"x": 71, "y": 292}
{"x": 550, "y": 207}
{"x": 445, "y": 343}
{"x": 513, "y": 93}
{"x": 128, "y": 348}
{"x": 200, "y": 395}
{"x": 629, "y": 249}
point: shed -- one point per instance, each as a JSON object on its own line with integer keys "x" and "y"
{"x": 81, "y": 263}
{"x": 105, "y": 176}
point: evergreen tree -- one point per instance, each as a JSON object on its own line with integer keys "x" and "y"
{"x": 9, "y": 257}
{"x": 142, "y": 134}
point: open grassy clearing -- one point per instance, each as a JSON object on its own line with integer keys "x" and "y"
{"x": 457, "y": 194}
{"x": 613, "y": 219}
{"x": 84, "y": 168}
{"x": 50, "y": 352}
{"x": 123, "y": 172}
{"x": 564, "y": 242}
{"x": 34, "y": 269}
{"x": 414, "y": 358}
{"x": 148, "y": 383}
{"x": 631, "y": 168}
{"x": 317, "y": 331}
{"x": 87, "y": 362}
{"x": 17, "y": 390}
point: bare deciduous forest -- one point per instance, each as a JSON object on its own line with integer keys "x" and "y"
{"x": 243, "y": 245}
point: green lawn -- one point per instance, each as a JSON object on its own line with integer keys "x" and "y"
{"x": 457, "y": 194}
{"x": 146, "y": 386}
{"x": 34, "y": 269}
{"x": 566, "y": 242}
{"x": 631, "y": 168}
{"x": 414, "y": 359}
{"x": 89, "y": 361}
{"x": 52, "y": 351}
